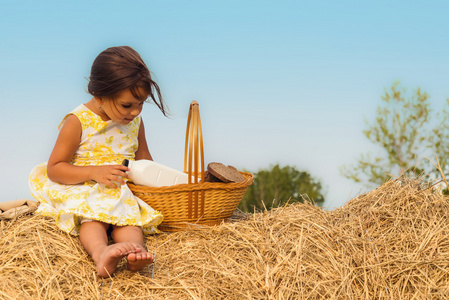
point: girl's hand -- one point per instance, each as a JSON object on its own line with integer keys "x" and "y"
{"x": 111, "y": 175}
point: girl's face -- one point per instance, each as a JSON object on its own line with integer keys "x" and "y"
{"x": 123, "y": 108}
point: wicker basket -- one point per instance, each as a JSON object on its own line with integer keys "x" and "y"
{"x": 196, "y": 203}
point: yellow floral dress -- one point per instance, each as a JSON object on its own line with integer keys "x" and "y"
{"x": 102, "y": 143}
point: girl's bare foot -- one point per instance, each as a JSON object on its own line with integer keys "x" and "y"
{"x": 139, "y": 260}
{"x": 109, "y": 257}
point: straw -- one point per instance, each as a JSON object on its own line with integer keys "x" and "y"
{"x": 392, "y": 242}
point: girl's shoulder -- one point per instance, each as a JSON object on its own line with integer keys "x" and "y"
{"x": 84, "y": 115}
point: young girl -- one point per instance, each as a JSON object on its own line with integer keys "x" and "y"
{"x": 83, "y": 185}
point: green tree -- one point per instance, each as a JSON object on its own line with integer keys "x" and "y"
{"x": 274, "y": 187}
{"x": 439, "y": 140}
{"x": 407, "y": 135}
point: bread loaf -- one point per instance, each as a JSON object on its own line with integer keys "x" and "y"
{"x": 223, "y": 173}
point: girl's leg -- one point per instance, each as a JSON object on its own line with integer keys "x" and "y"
{"x": 93, "y": 237}
{"x": 133, "y": 234}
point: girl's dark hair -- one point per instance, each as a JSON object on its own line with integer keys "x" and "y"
{"x": 120, "y": 68}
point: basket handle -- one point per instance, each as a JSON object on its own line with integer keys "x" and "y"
{"x": 194, "y": 151}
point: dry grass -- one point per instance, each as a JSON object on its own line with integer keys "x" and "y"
{"x": 391, "y": 243}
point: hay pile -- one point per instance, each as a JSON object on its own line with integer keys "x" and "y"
{"x": 392, "y": 243}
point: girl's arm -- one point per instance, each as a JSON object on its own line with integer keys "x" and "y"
{"x": 59, "y": 168}
{"x": 142, "y": 152}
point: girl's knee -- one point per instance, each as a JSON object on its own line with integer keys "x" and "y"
{"x": 131, "y": 234}
{"x": 122, "y": 232}
{"x": 88, "y": 223}
{"x": 129, "y": 228}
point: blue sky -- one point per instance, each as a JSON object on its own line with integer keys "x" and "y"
{"x": 287, "y": 82}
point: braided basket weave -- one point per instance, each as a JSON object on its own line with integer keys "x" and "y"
{"x": 198, "y": 202}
